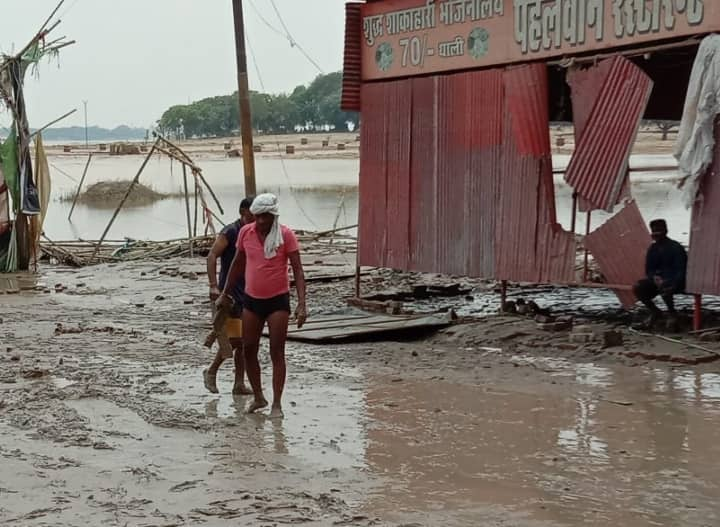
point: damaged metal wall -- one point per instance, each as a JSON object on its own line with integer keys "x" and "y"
{"x": 456, "y": 177}
{"x": 703, "y": 276}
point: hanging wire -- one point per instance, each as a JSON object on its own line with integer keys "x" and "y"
{"x": 282, "y": 159}
{"x": 293, "y": 42}
{"x": 284, "y": 33}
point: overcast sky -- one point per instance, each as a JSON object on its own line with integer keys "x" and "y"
{"x": 135, "y": 58}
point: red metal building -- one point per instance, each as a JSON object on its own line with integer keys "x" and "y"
{"x": 456, "y": 99}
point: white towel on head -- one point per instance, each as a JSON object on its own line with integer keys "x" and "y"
{"x": 268, "y": 204}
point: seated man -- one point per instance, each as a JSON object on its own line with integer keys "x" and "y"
{"x": 665, "y": 267}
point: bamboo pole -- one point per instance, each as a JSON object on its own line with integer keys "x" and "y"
{"x": 196, "y": 169}
{"x": 187, "y": 210}
{"x": 196, "y": 210}
{"x": 82, "y": 180}
{"x": 337, "y": 217}
{"x": 124, "y": 199}
{"x": 68, "y": 114}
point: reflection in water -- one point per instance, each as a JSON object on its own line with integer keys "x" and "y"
{"x": 580, "y": 440}
{"x": 323, "y": 423}
{"x": 568, "y": 457}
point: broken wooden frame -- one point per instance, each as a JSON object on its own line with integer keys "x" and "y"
{"x": 164, "y": 146}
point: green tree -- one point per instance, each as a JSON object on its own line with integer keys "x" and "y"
{"x": 316, "y": 105}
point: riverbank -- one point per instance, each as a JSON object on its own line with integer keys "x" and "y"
{"x": 323, "y": 145}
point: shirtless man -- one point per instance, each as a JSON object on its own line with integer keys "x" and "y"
{"x": 264, "y": 249}
{"x": 224, "y": 249}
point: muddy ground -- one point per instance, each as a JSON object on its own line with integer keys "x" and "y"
{"x": 104, "y": 419}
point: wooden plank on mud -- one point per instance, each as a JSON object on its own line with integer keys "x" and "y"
{"x": 367, "y": 327}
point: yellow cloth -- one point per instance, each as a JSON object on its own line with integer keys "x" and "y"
{"x": 42, "y": 182}
{"x": 233, "y": 328}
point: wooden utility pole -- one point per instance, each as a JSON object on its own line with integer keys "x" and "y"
{"x": 246, "y": 128}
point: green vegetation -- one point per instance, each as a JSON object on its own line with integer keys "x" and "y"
{"x": 312, "y": 107}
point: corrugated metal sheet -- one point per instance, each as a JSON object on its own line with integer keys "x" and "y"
{"x": 586, "y": 85}
{"x": 598, "y": 174}
{"x": 619, "y": 247}
{"x": 352, "y": 66}
{"x": 456, "y": 177}
{"x": 703, "y": 275}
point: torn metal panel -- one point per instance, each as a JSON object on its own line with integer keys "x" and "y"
{"x": 598, "y": 168}
{"x": 619, "y": 247}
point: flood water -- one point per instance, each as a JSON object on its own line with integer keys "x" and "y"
{"x": 311, "y": 192}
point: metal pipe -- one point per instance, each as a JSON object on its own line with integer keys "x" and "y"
{"x": 697, "y": 313}
{"x": 587, "y": 254}
{"x": 503, "y": 294}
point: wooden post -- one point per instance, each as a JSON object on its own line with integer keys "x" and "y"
{"x": 187, "y": 210}
{"x": 587, "y": 254}
{"x": 82, "y": 180}
{"x": 244, "y": 100}
{"x": 123, "y": 200}
{"x": 573, "y": 217}
{"x": 697, "y": 314}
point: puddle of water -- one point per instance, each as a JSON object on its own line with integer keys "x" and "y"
{"x": 323, "y": 424}
{"x": 569, "y": 456}
{"x": 61, "y": 382}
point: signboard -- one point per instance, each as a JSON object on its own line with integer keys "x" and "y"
{"x": 415, "y": 37}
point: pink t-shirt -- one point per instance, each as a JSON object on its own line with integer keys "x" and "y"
{"x": 266, "y": 278}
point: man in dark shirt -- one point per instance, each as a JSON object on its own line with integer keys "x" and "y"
{"x": 665, "y": 268}
{"x": 224, "y": 249}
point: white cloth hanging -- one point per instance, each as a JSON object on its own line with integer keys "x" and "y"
{"x": 695, "y": 144}
{"x": 268, "y": 204}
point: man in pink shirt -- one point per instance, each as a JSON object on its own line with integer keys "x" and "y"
{"x": 264, "y": 249}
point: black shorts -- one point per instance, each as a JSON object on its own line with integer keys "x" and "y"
{"x": 264, "y": 307}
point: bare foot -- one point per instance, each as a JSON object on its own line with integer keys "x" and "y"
{"x": 276, "y": 413}
{"x": 256, "y": 405}
{"x": 210, "y": 381}
{"x": 241, "y": 389}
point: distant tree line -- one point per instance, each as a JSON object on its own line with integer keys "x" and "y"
{"x": 307, "y": 108}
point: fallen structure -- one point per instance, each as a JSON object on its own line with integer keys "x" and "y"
{"x": 456, "y": 99}
{"x": 24, "y": 181}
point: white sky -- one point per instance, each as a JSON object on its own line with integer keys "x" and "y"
{"x": 133, "y": 59}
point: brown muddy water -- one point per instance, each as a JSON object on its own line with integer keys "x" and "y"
{"x": 310, "y": 190}
{"x": 106, "y": 422}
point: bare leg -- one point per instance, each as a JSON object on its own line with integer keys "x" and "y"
{"x": 210, "y": 374}
{"x": 278, "y": 326}
{"x": 239, "y": 388}
{"x": 252, "y": 330}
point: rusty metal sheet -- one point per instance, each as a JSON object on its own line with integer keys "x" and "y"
{"x": 619, "y": 247}
{"x": 352, "y": 63}
{"x": 423, "y": 182}
{"x": 530, "y": 245}
{"x": 373, "y": 175}
{"x": 456, "y": 177}
{"x": 703, "y": 274}
{"x": 585, "y": 86}
{"x": 598, "y": 167}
